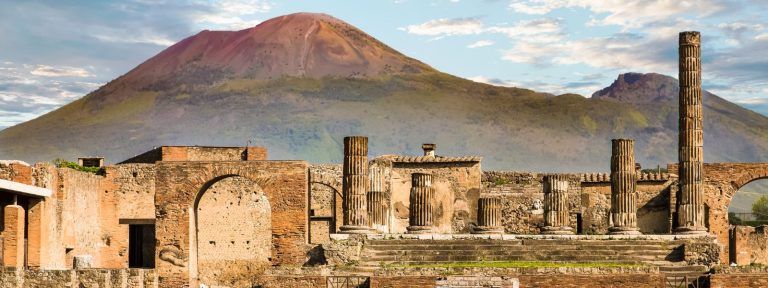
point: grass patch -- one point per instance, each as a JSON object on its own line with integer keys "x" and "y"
{"x": 518, "y": 264}
{"x": 61, "y": 163}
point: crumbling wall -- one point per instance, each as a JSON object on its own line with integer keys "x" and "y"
{"x": 115, "y": 278}
{"x": 134, "y": 187}
{"x": 178, "y": 185}
{"x": 751, "y": 245}
{"x": 589, "y": 199}
{"x": 457, "y": 187}
{"x": 90, "y": 220}
{"x": 325, "y": 207}
{"x": 522, "y": 196}
{"x": 234, "y": 233}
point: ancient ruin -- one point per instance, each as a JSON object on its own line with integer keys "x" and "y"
{"x": 193, "y": 216}
{"x": 623, "y": 187}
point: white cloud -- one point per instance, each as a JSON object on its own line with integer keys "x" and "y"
{"x": 137, "y": 39}
{"x": 762, "y": 37}
{"x": 541, "y": 28}
{"x": 625, "y": 13}
{"x": 445, "y": 26}
{"x": 31, "y": 90}
{"x": 753, "y": 101}
{"x": 62, "y": 71}
{"x": 481, "y": 43}
{"x": 537, "y": 30}
{"x": 233, "y": 15}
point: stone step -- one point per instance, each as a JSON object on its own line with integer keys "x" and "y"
{"x": 594, "y": 262}
{"x": 474, "y": 258}
{"x": 468, "y": 247}
{"x": 685, "y": 268}
{"x": 658, "y": 253}
{"x": 521, "y": 241}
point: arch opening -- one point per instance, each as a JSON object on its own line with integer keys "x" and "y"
{"x": 325, "y": 212}
{"x": 232, "y": 233}
{"x": 748, "y": 209}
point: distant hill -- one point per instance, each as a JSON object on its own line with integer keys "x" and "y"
{"x": 299, "y": 83}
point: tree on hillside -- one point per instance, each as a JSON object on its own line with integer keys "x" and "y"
{"x": 760, "y": 208}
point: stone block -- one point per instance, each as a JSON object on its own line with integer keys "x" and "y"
{"x": 82, "y": 262}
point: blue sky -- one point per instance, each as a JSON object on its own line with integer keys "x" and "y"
{"x": 54, "y": 52}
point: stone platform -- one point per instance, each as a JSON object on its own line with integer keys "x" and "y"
{"x": 434, "y": 250}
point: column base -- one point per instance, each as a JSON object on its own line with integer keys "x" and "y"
{"x": 624, "y": 231}
{"x": 487, "y": 230}
{"x": 350, "y": 229}
{"x": 419, "y": 229}
{"x": 691, "y": 230}
{"x": 551, "y": 230}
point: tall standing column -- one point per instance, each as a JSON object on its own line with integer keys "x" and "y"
{"x": 377, "y": 200}
{"x": 623, "y": 188}
{"x": 488, "y": 216}
{"x": 690, "y": 209}
{"x": 355, "y": 185}
{"x": 422, "y": 195}
{"x": 556, "y": 218}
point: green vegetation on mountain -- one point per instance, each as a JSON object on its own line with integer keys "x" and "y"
{"x": 300, "y": 103}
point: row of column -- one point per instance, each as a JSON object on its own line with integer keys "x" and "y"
{"x": 365, "y": 200}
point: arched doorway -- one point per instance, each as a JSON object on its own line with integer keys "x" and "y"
{"x": 234, "y": 232}
{"x": 746, "y": 210}
{"x": 325, "y": 212}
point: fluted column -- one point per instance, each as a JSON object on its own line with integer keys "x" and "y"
{"x": 377, "y": 200}
{"x": 488, "y": 216}
{"x": 691, "y": 137}
{"x": 623, "y": 188}
{"x": 422, "y": 195}
{"x": 355, "y": 185}
{"x": 556, "y": 216}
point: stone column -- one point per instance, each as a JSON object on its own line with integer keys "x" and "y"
{"x": 556, "y": 216}
{"x": 13, "y": 237}
{"x": 623, "y": 188}
{"x": 377, "y": 200}
{"x": 690, "y": 208}
{"x": 422, "y": 195}
{"x": 355, "y": 185}
{"x": 488, "y": 216}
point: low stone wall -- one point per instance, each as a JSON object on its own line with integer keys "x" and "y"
{"x": 742, "y": 276}
{"x": 644, "y": 277}
{"x": 114, "y": 278}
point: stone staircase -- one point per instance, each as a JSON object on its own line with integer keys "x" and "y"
{"x": 378, "y": 252}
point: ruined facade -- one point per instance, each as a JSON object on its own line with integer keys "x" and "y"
{"x": 226, "y": 216}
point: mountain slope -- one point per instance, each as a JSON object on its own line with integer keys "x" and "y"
{"x": 299, "y": 83}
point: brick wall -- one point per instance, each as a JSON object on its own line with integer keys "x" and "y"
{"x": 178, "y": 184}
{"x": 738, "y": 280}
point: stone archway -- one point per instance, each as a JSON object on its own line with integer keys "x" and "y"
{"x": 233, "y": 238}
{"x": 177, "y": 187}
{"x": 721, "y": 181}
{"x": 325, "y": 211}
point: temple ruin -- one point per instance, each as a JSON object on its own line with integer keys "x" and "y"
{"x": 194, "y": 216}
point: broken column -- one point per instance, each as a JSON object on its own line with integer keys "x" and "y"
{"x": 13, "y": 235}
{"x": 355, "y": 185}
{"x": 623, "y": 188}
{"x": 422, "y": 195}
{"x": 429, "y": 149}
{"x": 690, "y": 209}
{"x": 556, "y": 216}
{"x": 488, "y": 216}
{"x": 377, "y": 202}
